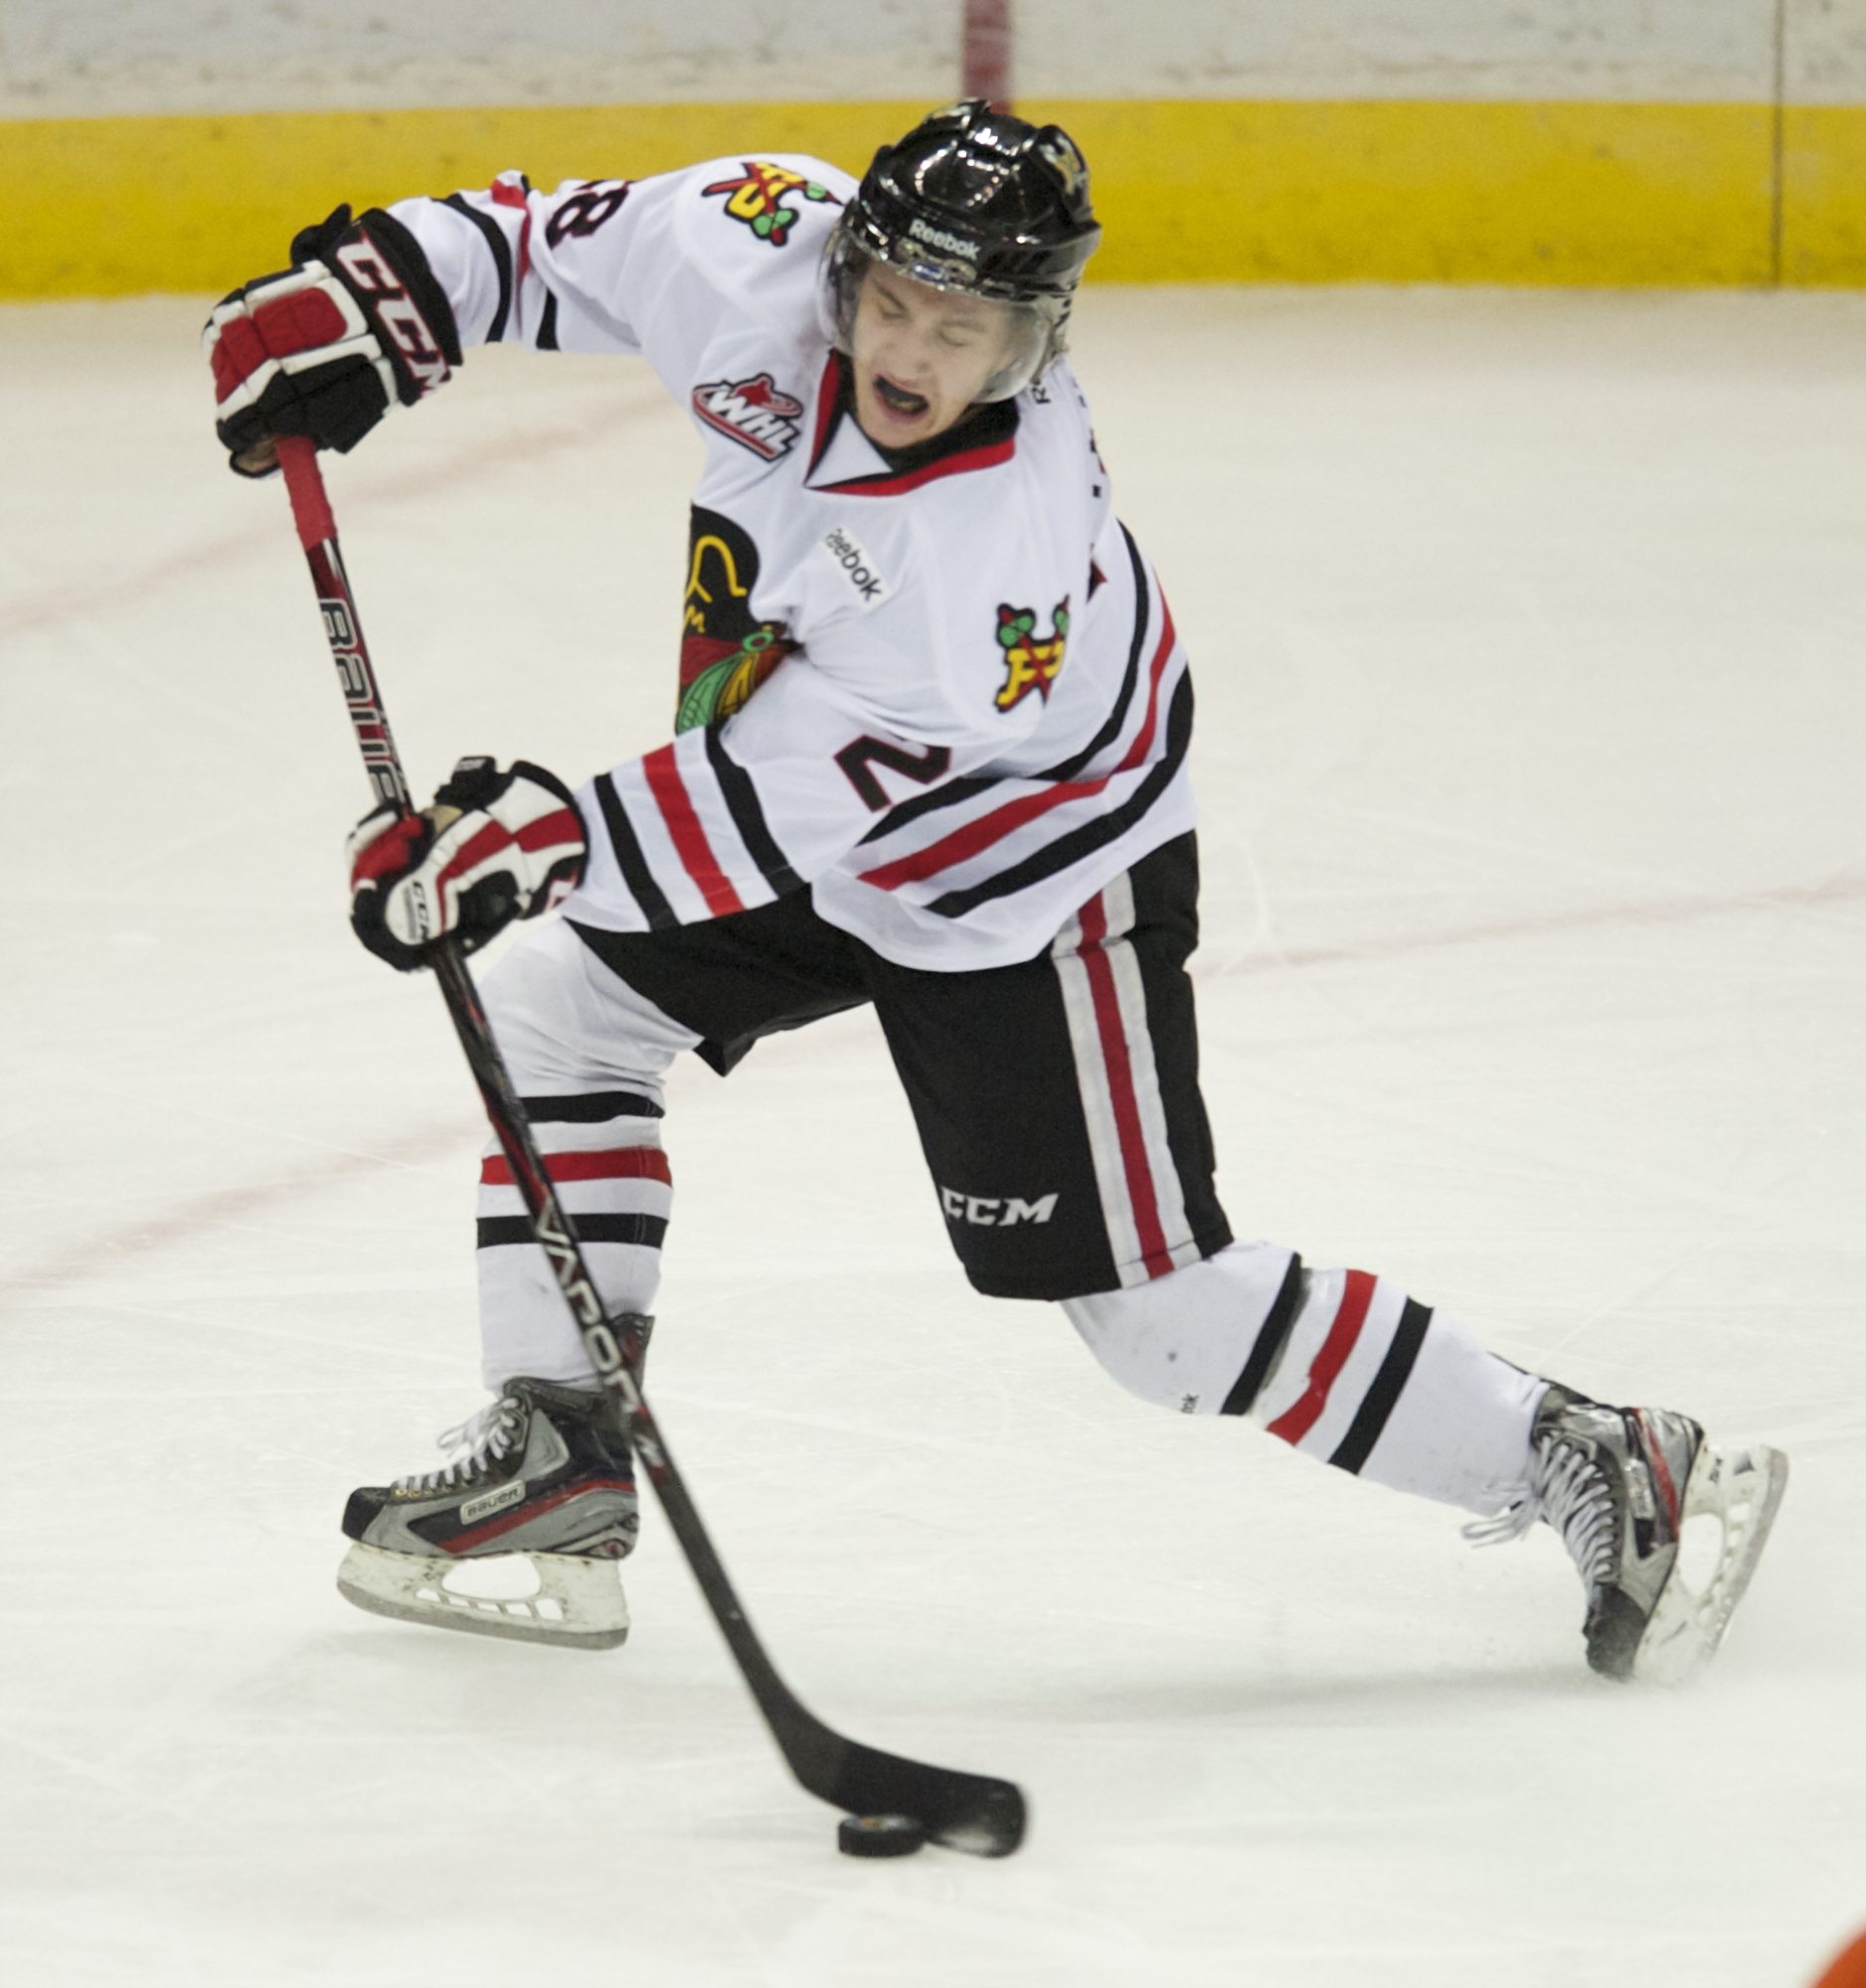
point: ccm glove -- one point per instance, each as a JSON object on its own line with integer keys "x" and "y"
{"x": 356, "y": 324}
{"x": 494, "y": 847}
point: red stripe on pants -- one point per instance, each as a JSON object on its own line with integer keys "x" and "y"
{"x": 1121, "y": 1084}
{"x": 1296, "y": 1422}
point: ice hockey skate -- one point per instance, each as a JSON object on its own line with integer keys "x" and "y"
{"x": 541, "y": 1494}
{"x": 1620, "y": 1485}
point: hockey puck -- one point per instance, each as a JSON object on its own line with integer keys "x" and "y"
{"x": 879, "y": 1836}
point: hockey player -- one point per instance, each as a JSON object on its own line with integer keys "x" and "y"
{"x": 929, "y": 753}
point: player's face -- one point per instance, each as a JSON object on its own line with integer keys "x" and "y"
{"x": 922, "y": 356}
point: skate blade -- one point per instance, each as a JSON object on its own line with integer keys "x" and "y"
{"x": 579, "y": 1604}
{"x": 1741, "y": 1489}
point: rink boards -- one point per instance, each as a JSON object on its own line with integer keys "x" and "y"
{"x": 1567, "y": 141}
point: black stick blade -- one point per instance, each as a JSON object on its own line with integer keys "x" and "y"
{"x": 969, "y": 1812}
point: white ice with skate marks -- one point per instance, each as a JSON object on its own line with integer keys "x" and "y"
{"x": 1526, "y": 632}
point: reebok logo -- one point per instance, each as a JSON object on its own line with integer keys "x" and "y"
{"x": 858, "y": 569}
{"x": 983, "y": 1211}
{"x": 756, "y": 412}
{"x": 956, "y": 245}
{"x": 490, "y": 1502}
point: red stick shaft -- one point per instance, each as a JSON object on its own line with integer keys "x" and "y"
{"x": 343, "y": 627}
{"x": 985, "y": 52}
{"x": 310, "y": 507}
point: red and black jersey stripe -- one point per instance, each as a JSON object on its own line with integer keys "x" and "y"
{"x": 631, "y": 860}
{"x": 1117, "y": 720}
{"x": 972, "y": 787}
{"x": 501, "y": 253}
{"x": 748, "y": 816}
{"x": 1064, "y": 780}
{"x": 1080, "y": 842}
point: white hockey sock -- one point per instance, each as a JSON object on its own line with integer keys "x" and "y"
{"x": 604, "y": 1154}
{"x": 1340, "y": 1365}
{"x": 589, "y": 1055}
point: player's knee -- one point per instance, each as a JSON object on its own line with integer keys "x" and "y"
{"x": 1181, "y": 1341}
{"x": 1119, "y": 1334}
{"x": 565, "y": 1024}
{"x": 530, "y": 981}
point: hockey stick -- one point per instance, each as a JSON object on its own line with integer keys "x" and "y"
{"x": 964, "y": 1811}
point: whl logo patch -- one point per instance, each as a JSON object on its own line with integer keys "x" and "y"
{"x": 755, "y": 413}
{"x": 1030, "y": 661}
{"x": 767, "y": 199}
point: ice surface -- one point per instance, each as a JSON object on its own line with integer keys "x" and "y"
{"x": 1528, "y": 632}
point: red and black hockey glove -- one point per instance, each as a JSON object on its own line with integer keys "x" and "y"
{"x": 357, "y": 323}
{"x": 492, "y": 848}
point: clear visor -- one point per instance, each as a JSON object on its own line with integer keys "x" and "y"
{"x": 1033, "y": 329}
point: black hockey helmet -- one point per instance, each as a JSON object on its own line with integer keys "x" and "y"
{"x": 980, "y": 202}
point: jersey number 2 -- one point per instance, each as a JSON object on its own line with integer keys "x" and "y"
{"x": 859, "y": 758}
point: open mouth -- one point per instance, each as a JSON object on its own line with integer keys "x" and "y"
{"x": 898, "y": 398}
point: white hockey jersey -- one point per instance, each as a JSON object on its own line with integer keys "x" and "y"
{"x": 941, "y": 688}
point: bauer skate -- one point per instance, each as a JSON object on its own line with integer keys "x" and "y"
{"x": 543, "y": 1473}
{"x": 1620, "y": 1485}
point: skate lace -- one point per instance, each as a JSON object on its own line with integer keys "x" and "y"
{"x": 483, "y": 1440}
{"x": 1569, "y": 1490}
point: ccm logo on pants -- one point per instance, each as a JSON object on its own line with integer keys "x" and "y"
{"x": 983, "y": 1213}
